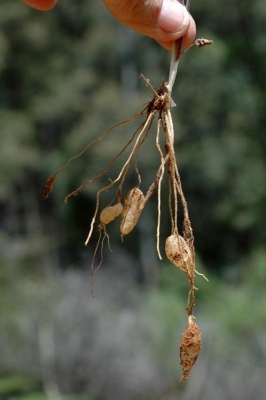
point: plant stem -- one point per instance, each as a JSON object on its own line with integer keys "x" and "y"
{"x": 176, "y": 52}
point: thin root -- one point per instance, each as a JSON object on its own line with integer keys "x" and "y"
{"x": 100, "y": 241}
{"x": 51, "y": 181}
{"x": 150, "y": 116}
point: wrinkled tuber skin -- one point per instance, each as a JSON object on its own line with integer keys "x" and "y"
{"x": 134, "y": 203}
{"x": 190, "y": 346}
{"x": 178, "y": 252}
{"x": 109, "y": 213}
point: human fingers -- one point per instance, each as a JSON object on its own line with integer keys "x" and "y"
{"x": 163, "y": 20}
{"x": 188, "y": 38}
{"x": 42, "y": 5}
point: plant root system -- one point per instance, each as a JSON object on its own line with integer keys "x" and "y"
{"x": 179, "y": 246}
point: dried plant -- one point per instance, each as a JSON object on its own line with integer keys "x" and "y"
{"x": 190, "y": 346}
{"x": 179, "y": 246}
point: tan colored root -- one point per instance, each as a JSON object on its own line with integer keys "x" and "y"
{"x": 102, "y": 174}
{"x": 175, "y": 191}
{"x": 203, "y": 276}
{"x": 157, "y": 182}
{"x": 171, "y": 214}
{"x": 51, "y": 181}
{"x": 136, "y": 152}
{"x": 180, "y": 190}
{"x": 148, "y": 119}
{"x": 168, "y": 131}
{"x": 147, "y": 81}
{"x": 100, "y": 242}
{"x": 159, "y": 188}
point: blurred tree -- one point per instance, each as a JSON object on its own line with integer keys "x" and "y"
{"x": 69, "y": 74}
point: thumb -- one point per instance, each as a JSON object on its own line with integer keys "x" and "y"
{"x": 163, "y": 20}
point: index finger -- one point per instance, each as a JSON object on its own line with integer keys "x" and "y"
{"x": 42, "y": 5}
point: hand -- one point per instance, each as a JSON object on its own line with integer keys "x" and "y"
{"x": 42, "y": 5}
{"x": 163, "y": 20}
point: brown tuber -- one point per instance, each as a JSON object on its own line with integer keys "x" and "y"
{"x": 108, "y": 214}
{"x": 190, "y": 346}
{"x": 178, "y": 252}
{"x": 134, "y": 203}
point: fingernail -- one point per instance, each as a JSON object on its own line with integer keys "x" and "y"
{"x": 173, "y": 17}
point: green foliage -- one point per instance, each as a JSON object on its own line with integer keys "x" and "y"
{"x": 14, "y": 387}
{"x": 42, "y": 396}
{"x": 13, "y": 384}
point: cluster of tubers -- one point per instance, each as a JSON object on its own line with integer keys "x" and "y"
{"x": 178, "y": 253}
{"x": 179, "y": 247}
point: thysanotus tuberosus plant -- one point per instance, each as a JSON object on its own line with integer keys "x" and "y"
{"x": 179, "y": 246}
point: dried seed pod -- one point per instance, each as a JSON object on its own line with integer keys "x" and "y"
{"x": 203, "y": 42}
{"x": 132, "y": 209}
{"x": 108, "y": 214}
{"x": 190, "y": 346}
{"x": 178, "y": 252}
{"x": 49, "y": 187}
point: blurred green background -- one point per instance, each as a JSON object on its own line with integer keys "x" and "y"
{"x": 65, "y": 77}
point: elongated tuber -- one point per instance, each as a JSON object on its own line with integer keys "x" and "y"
{"x": 134, "y": 203}
{"x": 109, "y": 213}
{"x": 190, "y": 346}
{"x": 178, "y": 252}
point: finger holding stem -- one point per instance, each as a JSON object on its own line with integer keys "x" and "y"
{"x": 176, "y": 52}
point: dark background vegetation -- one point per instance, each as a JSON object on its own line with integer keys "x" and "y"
{"x": 65, "y": 77}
